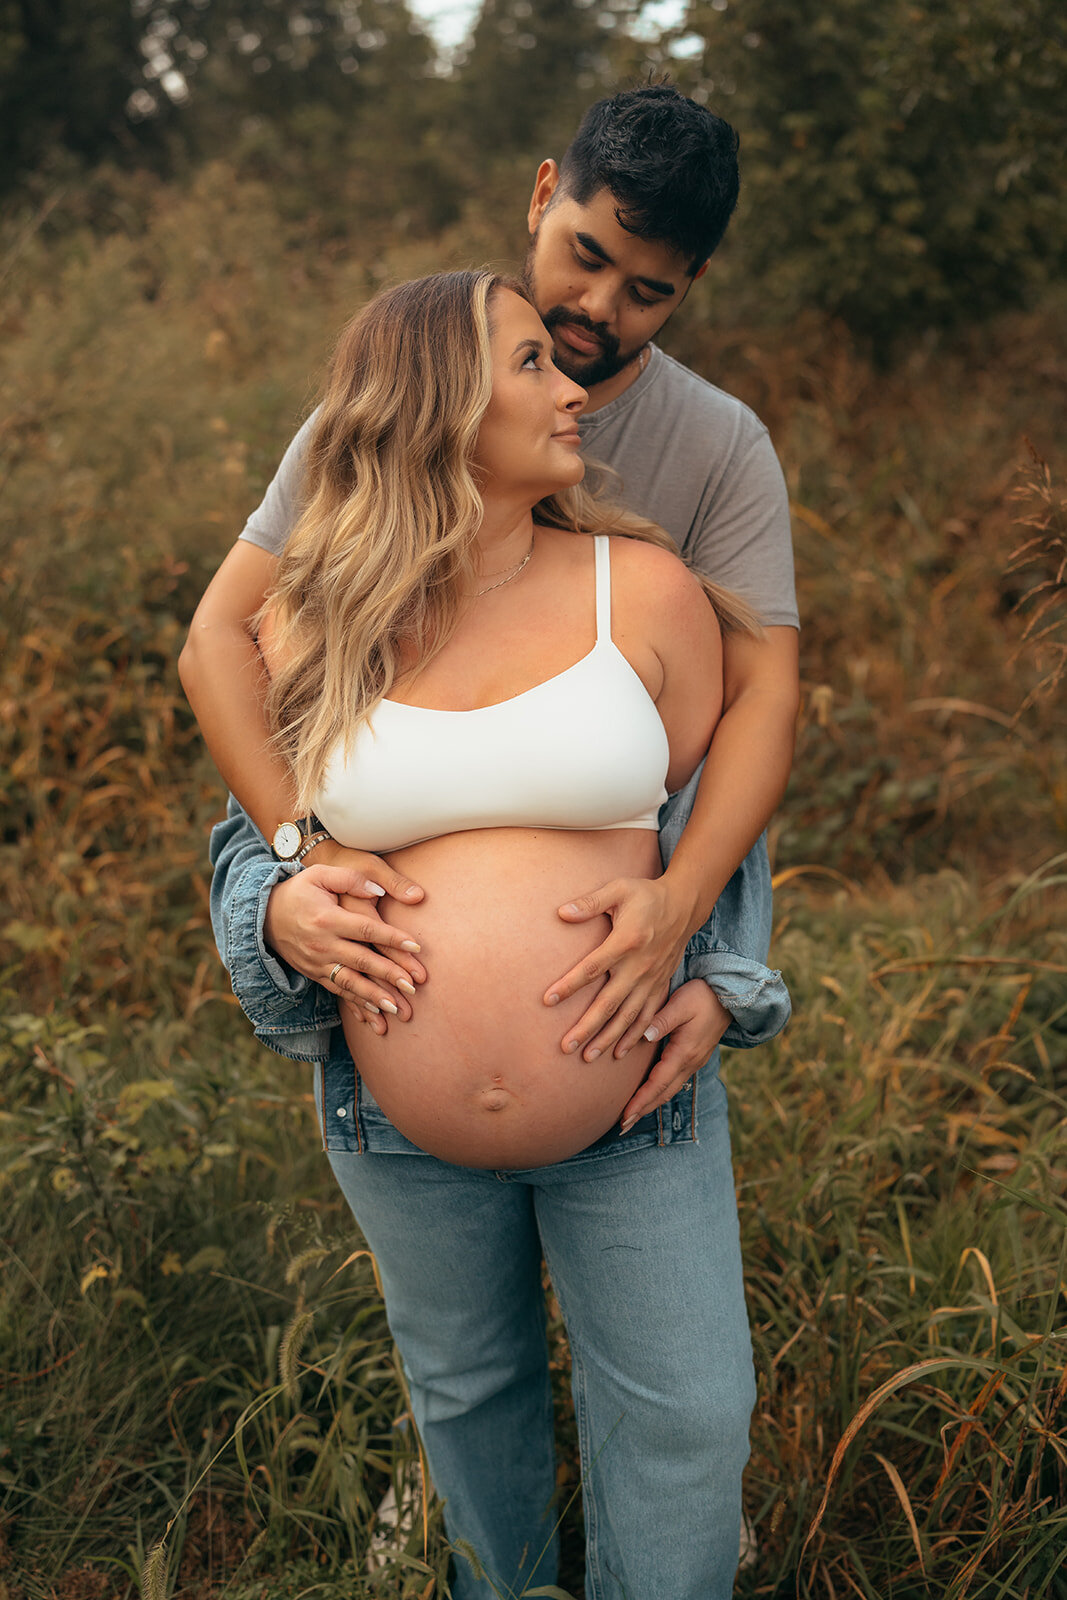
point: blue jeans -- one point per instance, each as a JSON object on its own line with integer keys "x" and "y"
{"x": 643, "y": 1251}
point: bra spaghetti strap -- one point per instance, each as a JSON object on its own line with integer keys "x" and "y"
{"x": 602, "y": 559}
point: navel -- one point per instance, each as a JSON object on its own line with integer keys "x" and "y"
{"x": 495, "y": 1097}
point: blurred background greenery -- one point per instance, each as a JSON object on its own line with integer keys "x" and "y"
{"x": 195, "y": 196}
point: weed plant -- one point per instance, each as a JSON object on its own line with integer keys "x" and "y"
{"x": 198, "y": 1385}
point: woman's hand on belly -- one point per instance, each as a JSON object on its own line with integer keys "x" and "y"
{"x": 649, "y": 933}
{"x": 324, "y": 922}
{"x": 693, "y": 1021}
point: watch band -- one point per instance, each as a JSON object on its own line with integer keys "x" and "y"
{"x": 316, "y": 838}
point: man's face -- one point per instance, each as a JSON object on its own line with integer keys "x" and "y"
{"x": 602, "y": 293}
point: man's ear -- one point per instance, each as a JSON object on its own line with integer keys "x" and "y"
{"x": 544, "y": 188}
{"x": 699, "y": 273}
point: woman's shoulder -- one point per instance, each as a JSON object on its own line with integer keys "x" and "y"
{"x": 653, "y": 576}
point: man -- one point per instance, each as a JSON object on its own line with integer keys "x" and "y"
{"x": 619, "y": 232}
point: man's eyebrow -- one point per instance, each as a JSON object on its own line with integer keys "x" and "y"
{"x": 587, "y": 242}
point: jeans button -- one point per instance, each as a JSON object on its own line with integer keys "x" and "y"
{"x": 341, "y": 1111}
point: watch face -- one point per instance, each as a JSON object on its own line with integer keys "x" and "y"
{"x": 287, "y": 840}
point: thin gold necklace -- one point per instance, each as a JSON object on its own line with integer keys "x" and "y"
{"x": 512, "y": 573}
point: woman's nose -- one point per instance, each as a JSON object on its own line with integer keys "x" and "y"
{"x": 572, "y": 397}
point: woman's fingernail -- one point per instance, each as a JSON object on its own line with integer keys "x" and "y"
{"x": 591, "y": 1055}
{"x": 572, "y": 1047}
{"x": 369, "y": 1006}
{"x": 387, "y": 1005}
{"x": 411, "y": 892}
{"x": 406, "y": 985}
{"x": 651, "y": 1033}
{"x": 573, "y": 910}
{"x": 375, "y": 888}
{"x": 409, "y": 944}
{"x": 552, "y": 1000}
{"x": 620, "y": 1053}
{"x": 627, "y": 1125}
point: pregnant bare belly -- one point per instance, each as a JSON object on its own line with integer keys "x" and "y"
{"x": 478, "y": 1076}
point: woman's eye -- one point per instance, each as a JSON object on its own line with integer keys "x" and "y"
{"x": 532, "y": 360}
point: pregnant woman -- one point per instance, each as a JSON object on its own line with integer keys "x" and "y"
{"x": 496, "y": 703}
{"x": 492, "y": 681}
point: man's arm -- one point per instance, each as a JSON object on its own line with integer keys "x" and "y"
{"x": 321, "y": 921}
{"x": 225, "y": 682}
{"x": 742, "y": 539}
{"x": 744, "y": 778}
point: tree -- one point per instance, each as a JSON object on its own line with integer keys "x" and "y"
{"x": 903, "y": 164}
{"x": 532, "y": 68}
{"x": 67, "y": 71}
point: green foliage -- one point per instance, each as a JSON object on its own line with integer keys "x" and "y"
{"x": 67, "y": 71}
{"x": 903, "y": 164}
{"x": 512, "y": 98}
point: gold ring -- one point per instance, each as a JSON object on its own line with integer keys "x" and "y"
{"x": 334, "y": 970}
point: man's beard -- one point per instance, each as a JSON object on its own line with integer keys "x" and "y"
{"x": 586, "y": 370}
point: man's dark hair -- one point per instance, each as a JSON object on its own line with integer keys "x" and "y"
{"x": 670, "y": 164}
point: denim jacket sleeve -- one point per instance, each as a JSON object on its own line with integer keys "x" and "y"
{"x": 730, "y": 950}
{"x": 288, "y": 1012}
{"x": 296, "y": 1017}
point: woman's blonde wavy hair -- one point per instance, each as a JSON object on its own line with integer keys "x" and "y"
{"x": 377, "y": 568}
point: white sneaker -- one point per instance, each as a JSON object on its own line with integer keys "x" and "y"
{"x": 393, "y": 1522}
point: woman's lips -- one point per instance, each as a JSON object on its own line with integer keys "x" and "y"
{"x": 568, "y": 436}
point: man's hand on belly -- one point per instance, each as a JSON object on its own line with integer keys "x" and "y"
{"x": 695, "y": 1019}
{"x": 649, "y": 933}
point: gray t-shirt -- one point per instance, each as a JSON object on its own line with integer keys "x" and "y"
{"x": 685, "y": 454}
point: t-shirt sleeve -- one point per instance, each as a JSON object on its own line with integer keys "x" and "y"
{"x": 277, "y": 514}
{"x": 743, "y": 537}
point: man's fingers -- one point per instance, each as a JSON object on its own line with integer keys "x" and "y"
{"x": 589, "y": 905}
{"x": 618, "y": 1008}
{"x": 604, "y": 1024}
{"x": 586, "y": 972}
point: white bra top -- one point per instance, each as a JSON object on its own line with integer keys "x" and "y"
{"x": 583, "y": 750}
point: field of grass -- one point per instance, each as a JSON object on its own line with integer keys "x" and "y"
{"x": 192, "y": 1347}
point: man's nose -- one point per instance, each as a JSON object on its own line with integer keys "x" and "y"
{"x": 597, "y": 300}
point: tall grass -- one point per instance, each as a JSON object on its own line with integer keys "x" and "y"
{"x": 198, "y": 1387}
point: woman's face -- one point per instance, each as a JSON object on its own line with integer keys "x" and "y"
{"x": 528, "y": 441}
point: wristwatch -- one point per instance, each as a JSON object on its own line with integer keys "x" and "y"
{"x": 293, "y": 840}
